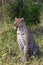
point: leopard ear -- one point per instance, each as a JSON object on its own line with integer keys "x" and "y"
{"x": 22, "y": 18}
{"x": 15, "y": 18}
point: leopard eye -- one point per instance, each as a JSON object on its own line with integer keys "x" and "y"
{"x": 22, "y": 21}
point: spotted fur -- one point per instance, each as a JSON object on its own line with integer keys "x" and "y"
{"x": 27, "y": 44}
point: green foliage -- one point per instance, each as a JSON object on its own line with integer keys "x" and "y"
{"x": 30, "y": 11}
{"x": 11, "y": 10}
{"x": 0, "y": 3}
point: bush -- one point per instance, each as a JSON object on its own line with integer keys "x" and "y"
{"x": 11, "y": 10}
{"x": 30, "y": 11}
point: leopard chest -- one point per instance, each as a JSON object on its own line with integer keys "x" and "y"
{"x": 22, "y": 36}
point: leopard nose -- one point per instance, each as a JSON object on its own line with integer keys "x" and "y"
{"x": 16, "y": 26}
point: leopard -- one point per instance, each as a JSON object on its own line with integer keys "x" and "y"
{"x": 26, "y": 42}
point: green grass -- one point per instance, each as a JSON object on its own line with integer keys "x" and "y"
{"x": 9, "y": 50}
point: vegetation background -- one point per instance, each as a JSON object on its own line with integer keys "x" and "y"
{"x": 32, "y": 11}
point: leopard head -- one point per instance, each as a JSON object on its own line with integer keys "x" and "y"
{"x": 18, "y": 22}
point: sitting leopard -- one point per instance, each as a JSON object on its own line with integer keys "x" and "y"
{"x": 26, "y": 42}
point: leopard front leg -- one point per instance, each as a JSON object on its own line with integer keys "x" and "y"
{"x": 23, "y": 50}
{"x": 25, "y": 56}
{"x": 25, "y": 53}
